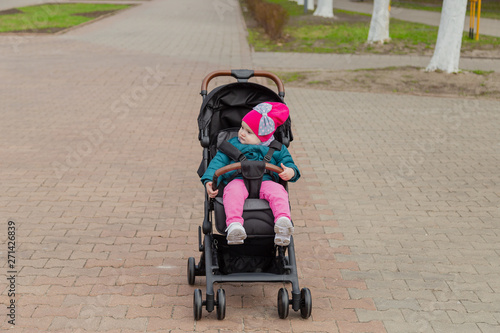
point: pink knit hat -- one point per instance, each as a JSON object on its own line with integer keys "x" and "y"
{"x": 265, "y": 118}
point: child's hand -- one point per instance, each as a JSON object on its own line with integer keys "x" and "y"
{"x": 211, "y": 193}
{"x": 287, "y": 173}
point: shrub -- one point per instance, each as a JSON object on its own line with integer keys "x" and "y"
{"x": 272, "y": 17}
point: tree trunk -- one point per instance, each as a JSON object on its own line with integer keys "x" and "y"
{"x": 379, "y": 25}
{"x": 449, "y": 41}
{"x": 324, "y": 9}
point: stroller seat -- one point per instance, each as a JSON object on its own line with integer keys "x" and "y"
{"x": 258, "y": 217}
{"x": 258, "y": 259}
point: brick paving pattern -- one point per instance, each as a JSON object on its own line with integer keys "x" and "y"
{"x": 397, "y": 212}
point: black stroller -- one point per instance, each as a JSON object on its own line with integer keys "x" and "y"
{"x": 258, "y": 259}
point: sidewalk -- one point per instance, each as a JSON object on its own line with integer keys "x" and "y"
{"x": 9, "y": 4}
{"x": 396, "y": 213}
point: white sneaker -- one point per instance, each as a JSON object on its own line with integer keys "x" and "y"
{"x": 283, "y": 229}
{"x": 235, "y": 233}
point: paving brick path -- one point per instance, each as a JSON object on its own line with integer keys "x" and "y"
{"x": 397, "y": 212}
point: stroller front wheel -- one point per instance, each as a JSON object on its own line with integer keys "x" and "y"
{"x": 221, "y": 304}
{"x": 283, "y": 303}
{"x": 305, "y": 303}
{"x": 197, "y": 304}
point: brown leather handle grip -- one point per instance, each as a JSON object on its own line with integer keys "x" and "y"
{"x": 269, "y": 75}
{"x": 237, "y": 166}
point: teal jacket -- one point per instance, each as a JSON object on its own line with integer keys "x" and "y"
{"x": 252, "y": 153}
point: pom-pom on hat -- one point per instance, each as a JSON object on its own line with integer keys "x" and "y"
{"x": 265, "y": 118}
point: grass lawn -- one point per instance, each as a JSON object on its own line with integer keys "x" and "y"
{"x": 52, "y": 17}
{"x": 342, "y": 37}
{"x": 348, "y": 34}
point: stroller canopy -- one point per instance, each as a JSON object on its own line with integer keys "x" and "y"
{"x": 225, "y": 107}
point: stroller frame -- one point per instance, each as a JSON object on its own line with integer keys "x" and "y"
{"x": 209, "y": 243}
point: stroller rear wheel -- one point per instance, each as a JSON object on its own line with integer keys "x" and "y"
{"x": 283, "y": 303}
{"x": 221, "y": 304}
{"x": 197, "y": 304}
{"x": 305, "y": 303}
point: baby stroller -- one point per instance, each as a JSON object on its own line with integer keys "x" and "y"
{"x": 258, "y": 259}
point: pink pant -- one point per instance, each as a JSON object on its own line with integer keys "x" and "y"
{"x": 235, "y": 194}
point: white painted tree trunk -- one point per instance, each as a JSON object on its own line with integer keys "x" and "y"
{"x": 379, "y": 25}
{"x": 310, "y": 4}
{"x": 449, "y": 41}
{"x": 324, "y": 8}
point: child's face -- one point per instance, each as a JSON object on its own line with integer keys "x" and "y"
{"x": 247, "y": 136}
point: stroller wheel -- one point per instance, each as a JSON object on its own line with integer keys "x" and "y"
{"x": 191, "y": 268}
{"x": 221, "y": 304}
{"x": 305, "y": 303}
{"x": 283, "y": 303}
{"x": 197, "y": 304}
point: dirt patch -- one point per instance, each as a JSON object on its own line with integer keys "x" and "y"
{"x": 95, "y": 14}
{"x": 407, "y": 80}
{"x": 318, "y": 20}
{"x": 401, "y": 48}
{"x": 38, "y": 31}
{"x": 10, "y": 11}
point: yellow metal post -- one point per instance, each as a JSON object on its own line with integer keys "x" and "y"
{"x": 478, "y": 18}
{"x": 475, "y": 8}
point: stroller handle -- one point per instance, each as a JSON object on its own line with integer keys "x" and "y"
{"x": 237, "y": 166}
{"x": 242, "y": 75}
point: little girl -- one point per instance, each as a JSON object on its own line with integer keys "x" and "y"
{"x": 253, "y": 140}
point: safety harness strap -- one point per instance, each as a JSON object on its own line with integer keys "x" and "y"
{"x": 252, "y": 171}
{"x": 232, "y": 152}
